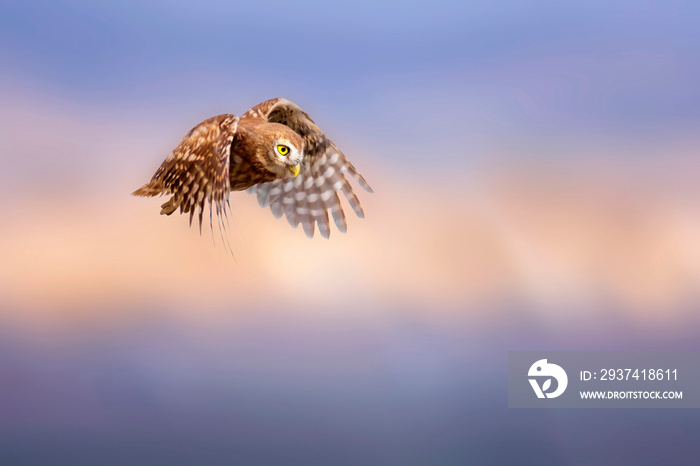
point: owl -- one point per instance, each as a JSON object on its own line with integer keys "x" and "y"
{"x": 274, "y": 150}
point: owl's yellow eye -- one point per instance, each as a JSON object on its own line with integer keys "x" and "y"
{"x": 283, "y": 150}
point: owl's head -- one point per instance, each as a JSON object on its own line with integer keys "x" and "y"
{"x": 283, "y": 149}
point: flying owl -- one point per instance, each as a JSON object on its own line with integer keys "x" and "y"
{"x": 274, "y": 150}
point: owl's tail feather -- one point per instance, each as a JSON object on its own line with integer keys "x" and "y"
{"x": 155, "y": 189}
{"x": 169, "y": 207}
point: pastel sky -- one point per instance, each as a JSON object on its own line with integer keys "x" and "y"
{"x": 535, "y": 173}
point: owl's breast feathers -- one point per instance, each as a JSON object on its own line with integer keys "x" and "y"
{"x": 251, "y": 159}
{"x": 248, "y": 167}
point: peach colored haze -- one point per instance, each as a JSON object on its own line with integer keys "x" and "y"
{"x": 566, "y": 238}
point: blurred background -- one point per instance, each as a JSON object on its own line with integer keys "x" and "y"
{"x": 535, "y": 170}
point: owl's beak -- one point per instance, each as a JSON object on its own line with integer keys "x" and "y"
{"x": 294, "y": 170}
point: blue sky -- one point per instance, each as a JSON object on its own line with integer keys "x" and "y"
{"x": 442, "y": 85}
{"x": 629, "y": 63}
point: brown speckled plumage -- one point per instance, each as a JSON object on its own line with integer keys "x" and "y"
{"x": 227, "y": 153}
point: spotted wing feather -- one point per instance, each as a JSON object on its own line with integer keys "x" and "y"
{"x": 197, "y": 171}
{"x": 307, "y": 198}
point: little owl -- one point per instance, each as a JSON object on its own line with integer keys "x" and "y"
{"x": 275, "y": 150}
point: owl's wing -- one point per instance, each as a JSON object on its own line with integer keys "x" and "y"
{"x": 307, "y": 198}
{"x": 197, "y": 171}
